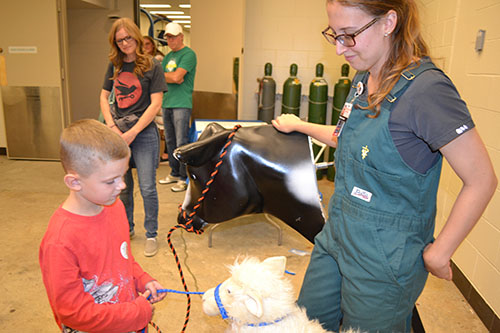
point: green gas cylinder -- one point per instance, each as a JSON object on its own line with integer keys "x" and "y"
{"x": 340, "y": 92}
{"x": 318, "y": 98}
{"x": 267, "y": 94}
{"x": 291, "y": 93}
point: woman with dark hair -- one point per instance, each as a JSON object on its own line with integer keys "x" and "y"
{"x": 372, "y": 258}
{"x": 136, "y": 84}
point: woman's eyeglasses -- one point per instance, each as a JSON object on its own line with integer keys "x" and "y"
{"x": 345, "y": 39}
{"x": 127, "y": 39}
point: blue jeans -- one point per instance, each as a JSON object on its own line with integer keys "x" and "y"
{"x": 176, "y": 123}
{"x": 145, "y": 155}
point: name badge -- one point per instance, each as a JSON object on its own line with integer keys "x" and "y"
{"x": 361, "y": 194}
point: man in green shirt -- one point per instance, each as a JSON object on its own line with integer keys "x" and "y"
{"x": 179, "y": 66}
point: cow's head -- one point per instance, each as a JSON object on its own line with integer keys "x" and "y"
{"x": 229, "y": 193}
{"x": 262, "y": 170}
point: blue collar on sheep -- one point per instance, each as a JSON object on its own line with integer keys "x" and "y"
{"x": 224, "y": 315}
{"x": 222, "y": 311}
{"x": 268, "y": 323}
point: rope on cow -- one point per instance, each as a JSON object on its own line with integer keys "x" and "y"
{"x": 189, "y": 227}
{"x": 189, "y": 218}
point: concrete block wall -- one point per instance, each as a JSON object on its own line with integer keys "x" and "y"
{"x": 451, "y": 27}
{"x": 283, "y": 32}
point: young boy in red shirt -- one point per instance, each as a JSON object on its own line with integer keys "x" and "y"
{"x": 92, "y": 280}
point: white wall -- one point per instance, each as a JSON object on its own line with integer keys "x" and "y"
{"x": 283, "y": 32}
{"x": 451, "y": 27}
{"x": 216, "y": 37}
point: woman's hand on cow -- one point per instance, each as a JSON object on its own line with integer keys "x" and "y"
{"x": 286, "y": 123}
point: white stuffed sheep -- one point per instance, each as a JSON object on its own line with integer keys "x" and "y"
{"x": 259, "y": 298}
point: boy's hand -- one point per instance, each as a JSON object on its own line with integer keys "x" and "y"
{"x": 146, "y": 294}
{"x": 151, "y": 288}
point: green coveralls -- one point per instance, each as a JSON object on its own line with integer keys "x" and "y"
{"x": 367, "y": 264}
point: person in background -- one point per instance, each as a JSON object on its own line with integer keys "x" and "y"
{"x": 137, "y": 84}
{"x": 151, "y": 48}
{"x": 371, "y": 260}
{"x": 180, "y": 69}
{"x": 92, "y": 280}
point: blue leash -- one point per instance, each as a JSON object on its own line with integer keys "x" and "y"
{"x": 178, "y": 292}
{"x": 201, "y": 293}
{"x": 193, "y": 292}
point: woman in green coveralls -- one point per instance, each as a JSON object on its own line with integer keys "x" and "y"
{"x": 371, "y": 260}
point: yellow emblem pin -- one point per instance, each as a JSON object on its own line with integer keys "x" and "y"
{"x": 364, "y": 151}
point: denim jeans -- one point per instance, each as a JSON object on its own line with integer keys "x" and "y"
{"x": 176, "y": 123}
{"x": 145, "y": 156}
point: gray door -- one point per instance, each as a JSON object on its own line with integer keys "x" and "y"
{"x": 32, "y": 97}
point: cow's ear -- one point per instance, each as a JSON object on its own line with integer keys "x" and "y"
{"x": 210, "y": 130}
{"x": 202, "y": 151}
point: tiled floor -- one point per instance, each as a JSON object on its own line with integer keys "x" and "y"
{"x": 31, "y": 190}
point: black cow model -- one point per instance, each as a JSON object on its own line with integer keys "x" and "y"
{"x": 263, "y": 171}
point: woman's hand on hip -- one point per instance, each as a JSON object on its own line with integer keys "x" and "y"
{"x": 436, "y": 264}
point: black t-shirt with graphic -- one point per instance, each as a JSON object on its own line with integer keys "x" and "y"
{"x": 133, "y": 93}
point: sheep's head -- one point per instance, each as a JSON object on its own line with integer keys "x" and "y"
{"x": 255, "y": 291}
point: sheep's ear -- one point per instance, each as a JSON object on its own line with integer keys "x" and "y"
{"x": 253, "y": 303}
{"x": 276, "y": 264}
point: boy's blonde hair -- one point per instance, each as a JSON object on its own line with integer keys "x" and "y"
{"x": 87, "y": 141}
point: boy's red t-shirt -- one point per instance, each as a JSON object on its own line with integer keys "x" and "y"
{"x": 90, "y": 275}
